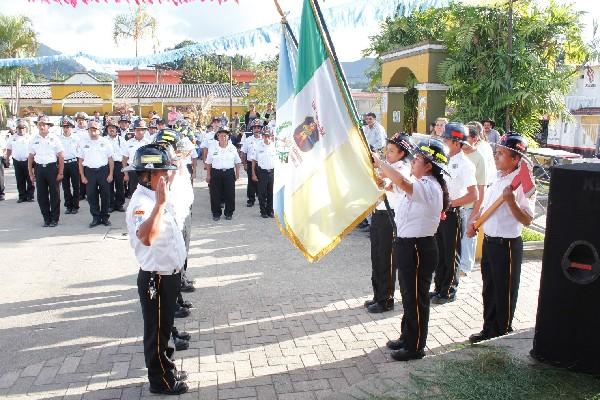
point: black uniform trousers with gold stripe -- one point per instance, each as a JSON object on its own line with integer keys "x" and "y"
{"x": 383, "y": 268}
{"x": 501, "y": 274}
{"x": 158, "y": 315}
{"x": 448, "y": 240}
{"x": 48, "y": 192}
{"x": 416, "y": 259}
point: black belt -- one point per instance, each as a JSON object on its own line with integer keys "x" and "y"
{"x": 46, "y": 165}
{"x": 222, "y": 169}
{"x": 268, "y": 170}
{"x": 70, "y": 160}
{"x": 453, "y": 209}
{"x": 96, "y": 169}
{"x": 499, "y": 240}
{"x": 382, "y": 212}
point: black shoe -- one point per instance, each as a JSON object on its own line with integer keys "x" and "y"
{"x": 443, "y": 299}
{"x": 216, "y": 218}
{"x": 181, "y": 335}
{"x": 105, "y": 221}
{"x": 479, "y": 337}
{"x": 30, "y": 200}
{"x": 395, "y": 344}
{"x": 249, "y": 203}
{"x": 180, "y": 387}
{"x": 120, "y": 209}
{"x": 68, "y": 211}
{"x": 405, "y": 355}
{"x": 433, "y": 294}
{"x": 20, "y": 201}
{"x": 186, "y": 304}
{"x": 1, "y": 197}
{"x": 46, "y": 224}
{"x": 271, "y": 215}
{"x": 379, "y": 308}
{"x": 95, "y": 222}
{"x": 52, "y": 224}
{"x": 264, "y": 215}
{"x": 180, "y": 375}
{"x": 111, "y": 210}
{"x": 181, "y": 345}
{"x": 169, "y": 352}
{"x": 228, "y": 217}
{"x": 369, "y": 302}
{"x": 186, "y": 287}
{"x": 182, "y": 312}
{"x": 74, "y": 211}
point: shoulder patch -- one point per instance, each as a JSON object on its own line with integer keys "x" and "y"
{"x": 139, "y": 212}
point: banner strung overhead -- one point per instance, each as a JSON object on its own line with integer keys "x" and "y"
{"x": 75, "y": 3}
{"x": 352, "y": 15}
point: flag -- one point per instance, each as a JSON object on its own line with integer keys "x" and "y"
{"x": 330, "y": 185}
{"x": 286, "y": 90}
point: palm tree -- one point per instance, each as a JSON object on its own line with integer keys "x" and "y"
{"x": 17, "y": 39}
{"x": 136, "y": 25}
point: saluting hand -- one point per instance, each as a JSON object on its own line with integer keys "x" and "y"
{"x": 161, "y": 192}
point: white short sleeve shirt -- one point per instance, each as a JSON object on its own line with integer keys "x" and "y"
{"x": 19, "y": 146}
{"x": 131, "y": 147}
{"x": 264, "y": 155}
{"x": 167, "y": 254}
{"x": 462, "y": 175}
{"x": 394, "y": 194}
{"x": 418, "y": 215}
{"x": 223, "y": 158}
{"x": 45, "y": 150}
{"x": 502, "y": 222}
{"x": 95, "y": 153}
{"x": 70, "y": 146}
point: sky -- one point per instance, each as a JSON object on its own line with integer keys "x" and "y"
{"x": 89, "y": 27}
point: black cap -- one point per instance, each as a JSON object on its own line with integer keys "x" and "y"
{"x": 153, "y": 156}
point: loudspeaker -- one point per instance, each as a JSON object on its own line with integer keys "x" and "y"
{"x": 567, "y": 329}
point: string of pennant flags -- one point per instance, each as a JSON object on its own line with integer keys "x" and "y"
{"x": 352, "y": 15}
{"x": 75, "y": 3}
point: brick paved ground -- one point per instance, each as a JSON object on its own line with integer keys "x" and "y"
{"x": 267, "y": 324}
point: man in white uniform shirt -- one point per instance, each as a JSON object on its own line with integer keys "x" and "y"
{"x": 131, "y": 146}
{"x": 96, "y": 168}
{"x": 80, "y": 131}
{"x": 4, "y": 163}
{"x": 45, "y": 150}
{"x": 117, "y": 186}
{"x": 223, "y": 164}
{"x": 70, "y": 182}
{"x": 247, "y": 148}
{"x": 374, "y": 132}
{"x": 263, "y": 157}
{"x": 462, "y": 189}
{"x": 17, "y": 148}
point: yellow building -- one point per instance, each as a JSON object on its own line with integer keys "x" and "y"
{"x": 83, "y": 92}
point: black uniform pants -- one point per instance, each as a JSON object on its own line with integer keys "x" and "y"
{"x": 48, "y": 194}
{"x": 416, "y": 259}
{"x": 501, "y": 274}
{"x": 266, "y": 177}
{"x": 222, "y": 185}
{"x": 448, "y": 237}
{"x": 71, "y": 181}
{"x": 383, "y": 268}
{"x": 252, "y": 189}
{"x": 158, "y": 315}
{"x": 98, "y": 191}
{"x": 133, "y": 182}
{"x": 25, "y": 186}
{"x": 2, "y": 187}
{"x": 117, "y": 188}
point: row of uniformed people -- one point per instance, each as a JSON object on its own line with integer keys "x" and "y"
{"x": 419, "y": 211}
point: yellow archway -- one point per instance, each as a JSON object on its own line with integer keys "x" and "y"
{"x": 60, "y": 91}
{"x": 420, "y": 60}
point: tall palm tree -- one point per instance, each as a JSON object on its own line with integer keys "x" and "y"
{"x": 137, "y": 25}
{"x": 17, "y": 39}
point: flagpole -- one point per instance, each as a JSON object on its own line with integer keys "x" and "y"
{"x": 347, "y": 90}
{"x": 285, "y": 23}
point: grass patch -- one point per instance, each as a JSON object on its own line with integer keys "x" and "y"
{"x": 495, "y": 375}
{"x": 529, "y": 235}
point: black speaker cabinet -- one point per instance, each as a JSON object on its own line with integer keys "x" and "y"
{"x": 567, "y": 329}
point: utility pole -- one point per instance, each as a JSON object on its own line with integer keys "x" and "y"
{"x": 509, "y": 65}
{"x": 231, "y": 89}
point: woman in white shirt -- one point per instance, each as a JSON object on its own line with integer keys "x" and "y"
{"x": 418, "y": 213}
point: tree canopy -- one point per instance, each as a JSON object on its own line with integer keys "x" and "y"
{"x": 547, "y": 51}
